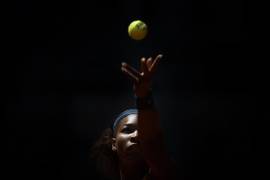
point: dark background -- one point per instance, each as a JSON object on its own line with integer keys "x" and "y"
{"x": 64, "y": 84}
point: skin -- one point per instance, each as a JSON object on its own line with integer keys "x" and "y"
{"x": 142, "y": 79}
{"x": 146, "y": 132}
{"x": 127, "y": 146}
{"x": 126, "y": 137}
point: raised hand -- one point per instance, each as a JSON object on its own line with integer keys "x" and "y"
{"x": 142, "y": 79}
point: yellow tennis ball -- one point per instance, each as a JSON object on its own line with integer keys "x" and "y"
{"x": 137, "y": 30}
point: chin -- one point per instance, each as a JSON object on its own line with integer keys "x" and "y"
{"x": 136, "y": 160}
{"x": 134, "y": 155}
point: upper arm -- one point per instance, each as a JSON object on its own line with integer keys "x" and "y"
{"x": 152, "y": 144}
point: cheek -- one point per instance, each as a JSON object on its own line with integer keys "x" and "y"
{"x": 122, "y": 141}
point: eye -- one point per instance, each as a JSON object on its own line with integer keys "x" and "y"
{"x": 127, "y": 130}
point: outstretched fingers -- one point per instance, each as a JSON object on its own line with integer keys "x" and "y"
{"x": 143, "y": 66}
{"x": 147, "y": 68}
{"x": 149, "y": 62}
{"x": 155, "y": 63}
{"x": 130, "y": 72}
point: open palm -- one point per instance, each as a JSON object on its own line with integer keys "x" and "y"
{"x": 142, "y": 79}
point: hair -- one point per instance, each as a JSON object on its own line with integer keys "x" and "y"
{"x": 106, "y": 159}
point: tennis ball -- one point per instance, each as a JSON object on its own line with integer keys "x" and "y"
{"x": 137, "y": 30}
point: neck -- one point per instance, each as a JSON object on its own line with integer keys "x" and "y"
{"x": 132, "y": 171}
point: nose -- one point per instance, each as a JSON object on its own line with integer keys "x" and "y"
{"x": 134, "y": 137}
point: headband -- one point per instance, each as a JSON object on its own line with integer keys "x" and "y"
{"x": 122, "y": 115}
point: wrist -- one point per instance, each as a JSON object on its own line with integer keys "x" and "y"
{"x": 143, "y": 89}
{"x": 145, "y": 102}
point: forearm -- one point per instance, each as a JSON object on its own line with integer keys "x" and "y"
{"x": 148, "y": 118}
{"x": 148, "y": 125}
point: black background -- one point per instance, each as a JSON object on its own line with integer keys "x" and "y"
{"x": 64, "y": 83}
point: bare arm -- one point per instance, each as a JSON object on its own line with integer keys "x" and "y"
{"x": 150, "y": 133}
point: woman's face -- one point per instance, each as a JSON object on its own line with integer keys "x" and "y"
{"x": 125, "y": 142}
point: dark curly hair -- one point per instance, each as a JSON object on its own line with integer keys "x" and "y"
{"x": 106, "y": 159}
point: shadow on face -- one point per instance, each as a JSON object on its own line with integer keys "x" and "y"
{"x": 125, "y": 142}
